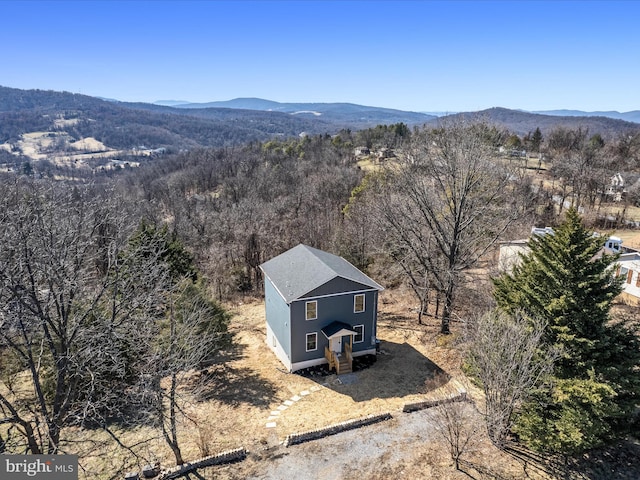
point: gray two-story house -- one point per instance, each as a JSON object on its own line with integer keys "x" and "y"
{"x": 319, "y": 309}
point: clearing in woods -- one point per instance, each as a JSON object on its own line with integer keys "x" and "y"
{"x": 252, "y": 402}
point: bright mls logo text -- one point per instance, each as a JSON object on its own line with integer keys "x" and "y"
{"x": 51, "y": 467}
{"x": 30, "y": 468}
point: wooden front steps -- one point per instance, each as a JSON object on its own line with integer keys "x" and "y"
{"x": 341, "y": 363}
{"x": 344, "y": 365}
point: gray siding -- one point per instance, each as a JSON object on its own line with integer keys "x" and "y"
{"x": 277, "y": 312}
{"x": 338, "y": 307}
{"x": 336, "y": 285}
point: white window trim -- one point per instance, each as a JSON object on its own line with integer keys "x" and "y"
{"x": 354, "y": 337}
{"x": 364, "y": 304}
{"x": 306, "y": 342}
{"x": 306, "y": 311}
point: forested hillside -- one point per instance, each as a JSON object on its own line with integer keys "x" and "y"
{"x": 236, "y": 207}
{"x": 521, "y": 123}
{"x": 126, "y": 125}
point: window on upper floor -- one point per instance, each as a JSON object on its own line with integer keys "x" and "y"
{"x": 358, "y": 303}
{"x": 311, "y": 310}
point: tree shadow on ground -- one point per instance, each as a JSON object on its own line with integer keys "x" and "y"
{"x": 481, "y": 471}
{"x": 236, "y": 386}
{"x": 618, "y": 461}
{"x": 398, "y": 370}
{"x": 394, "y": 321}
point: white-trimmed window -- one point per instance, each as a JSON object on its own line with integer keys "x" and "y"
{"x": 359, "y": 336}
{"x": 358, "y": 303}
{"x": 312, "y": 342}
{"x": 311, "y": 310}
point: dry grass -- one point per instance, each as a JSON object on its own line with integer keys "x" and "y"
{"x": 243, "y": 391}
{"x": 251, "y": 383}
{"x": 414, "y": 365}
{"x": 630, "y": 238}
{"x": 368, "y": 163}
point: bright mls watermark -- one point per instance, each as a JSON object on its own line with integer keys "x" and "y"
{"x": 49, "y": 467}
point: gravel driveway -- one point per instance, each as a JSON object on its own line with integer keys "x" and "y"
{"x": 340, "y": 456}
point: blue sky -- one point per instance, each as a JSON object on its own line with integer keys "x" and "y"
{"x": 411, "y": 55}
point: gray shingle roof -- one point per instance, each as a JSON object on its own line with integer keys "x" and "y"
{"x": 302, "y": 269}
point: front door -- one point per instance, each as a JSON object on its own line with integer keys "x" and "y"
{"x": 335, "y": 344}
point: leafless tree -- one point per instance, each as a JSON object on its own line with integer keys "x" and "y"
{"x": 445, "y": 204}
{"x": 419, "y": 274}
{"x": 185, "y": 341}
{"x": 505, "y": 356}
{"x": 457, "y": 421}
{"x": 94, "y": 328}
{"x": 56, "y": 242}
{"x": 580, "y": 164}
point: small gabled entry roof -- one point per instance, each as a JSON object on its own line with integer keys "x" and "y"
{"x": 302, "y": 269}
{"x": 337, "y": 329}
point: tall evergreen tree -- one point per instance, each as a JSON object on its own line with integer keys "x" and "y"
{"x": 184, "y": 332}
{"x": 567, "y": 281}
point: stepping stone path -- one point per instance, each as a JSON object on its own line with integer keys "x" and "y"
{"x": 275, "y": 414}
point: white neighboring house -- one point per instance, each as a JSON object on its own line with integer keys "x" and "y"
{"x": 616, "y": 188}
{"x": 628, "y": 262}
{"x": 629, "y": 269}
{"x": 510, "y": 251}
{"x": 360, "y": 151}
{"x": 510, "y": 254}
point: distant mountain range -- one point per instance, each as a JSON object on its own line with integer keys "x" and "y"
{"x": 341, "y": 113}
{"x": 632, "y": 116}
{"x": 122, "y": 126}
{"x": 358, "y": 116}
{"x": 342, "y": 110}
